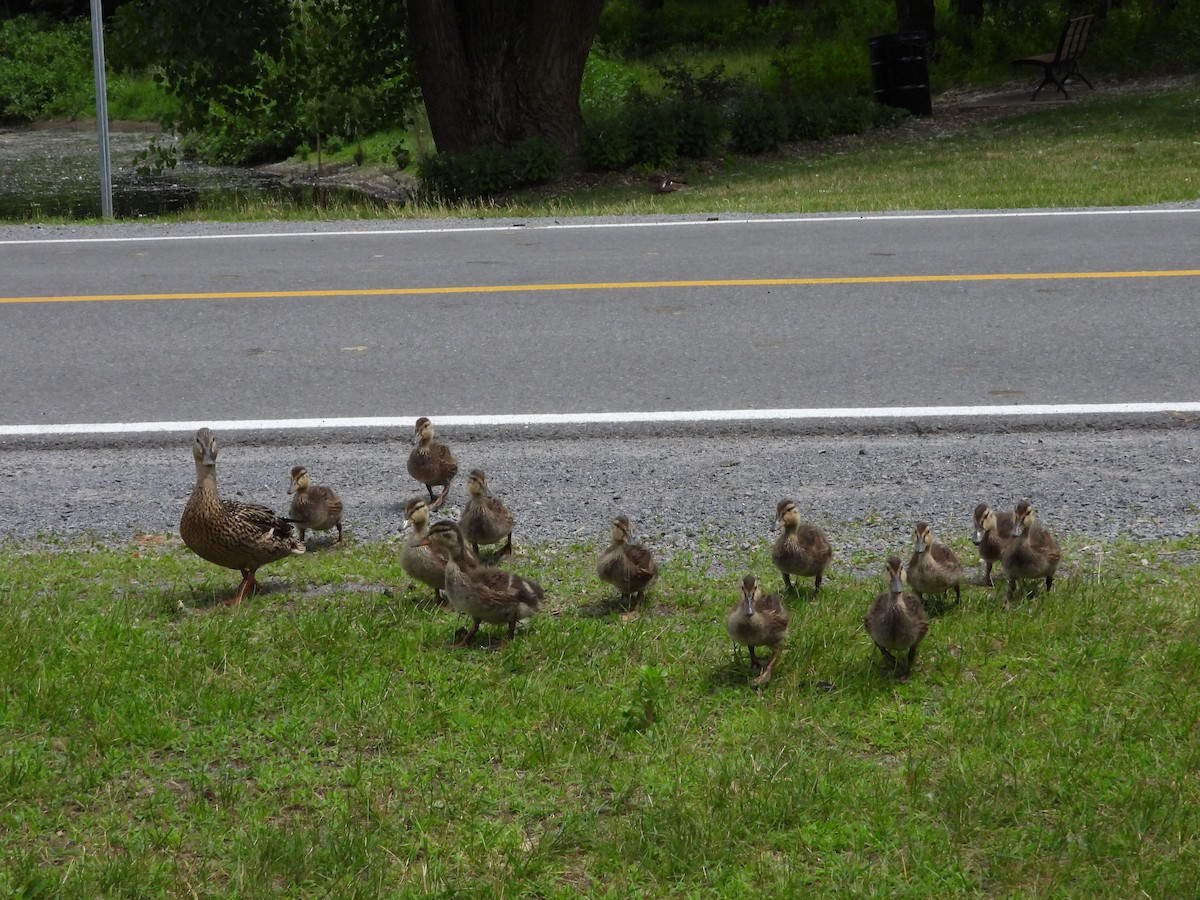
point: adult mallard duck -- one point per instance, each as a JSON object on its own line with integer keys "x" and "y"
{"x": 933, "y": 568}
{"x": 314, "y": 506}
{"x": 431, "y": 462}
{"x": 758, "y": 621}
{"x": 420, "y": 559}
{"x": 485, "y": 519}
{"x": 990, "y": 534}
{"x": 630, "y": 568}
{"x": 1032, "y": 552}
{"x": 481, "y": 593}
{"x": 242, "y": 536}
{"x": 802, "y": 549}
{"x": 896, "y": 620}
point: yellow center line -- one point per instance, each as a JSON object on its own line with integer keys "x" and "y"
{"x": 610, "y": 286}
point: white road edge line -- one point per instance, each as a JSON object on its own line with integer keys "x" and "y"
{"x": 701, "y": 416}
{"x": 649, "y": 223}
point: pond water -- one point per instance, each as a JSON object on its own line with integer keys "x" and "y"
{"x": 55, "y": 172}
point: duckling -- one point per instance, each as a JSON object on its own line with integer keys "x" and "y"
{"x": 420, "y": 559}
{"x": 896, "y": 620}
{"x": 991, "y": 532}
{"x": 1032, "y": 552}
{"x": 630, "y": 568}
{"x": 933, "y": 568}
{"x": 431, "y": 462}
{"x": 241, "y": 536}
{"x": 479, "y": 592}
{"x": 485, "y": 519}
{"x": 314, "y": 506}
{"x": 758, "y": 621}
{"x": 802, "y": 549}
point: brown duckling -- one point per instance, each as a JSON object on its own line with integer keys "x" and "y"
{"x": 485, "y": 519}
{"x": 241, "y": 536}
{"x": 314, "y": 506}
{"x": 990, "y": 533}
{"x": 431, "y": 462}
{"x": 1032, "y": 552}
{"x": 420, "y": 559}
{"x": 896, "y": 620}
{"x": 630, "y": 568}
{"x": 758, "y": 621}
{"x": 933, "y": 568}
{"x": 481, "y": 593}
{"x": 802, "y": 549}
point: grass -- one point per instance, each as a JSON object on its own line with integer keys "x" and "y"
{"x": 321, "y": 740}
{"x": 1127, "y": 149}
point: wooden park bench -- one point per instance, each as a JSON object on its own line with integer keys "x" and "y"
{"x": 1063, "y": 63}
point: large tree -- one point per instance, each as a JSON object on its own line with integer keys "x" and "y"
{"x": 502, "y": 71}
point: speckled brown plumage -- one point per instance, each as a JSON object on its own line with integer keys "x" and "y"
{"x": 897, "y": 621}
{"x": 990, "y": 534}
{"x": 315, "y": 507}
{"x": 933, "y": 568}
{"x": 758, "y": 621}
{"x": 628, "y": 567}
{"x": 241, "y": 536}
{"x": 802, "y": 549}
{"x": 431, "y": 462}
{"x": 485, "y": 519}
{"x": 479, "y": 592}
{"x": 1032, "y": 552}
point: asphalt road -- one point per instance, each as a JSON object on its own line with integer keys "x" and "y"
{"x": 311, "y": 321}
{"x": 363, "y": 320}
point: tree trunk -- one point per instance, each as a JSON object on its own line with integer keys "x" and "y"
{"x": 502, "y": 71}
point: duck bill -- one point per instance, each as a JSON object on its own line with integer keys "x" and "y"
{"x": 407, "y": 524}
{"x": 977, "y": 535}
{"x": 1018, "y": 529}
{"x": 921, "y": 546}
{"x": 749, "y": 605}
{"x": 207, "y": 458}
{"x": 896, "y": 586}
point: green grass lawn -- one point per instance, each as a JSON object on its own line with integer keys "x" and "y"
{"x": 322, "y": 741}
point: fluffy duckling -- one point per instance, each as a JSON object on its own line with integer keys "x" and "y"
{"x": 241, "y": 536}
{"x": 630, "y": 568}
{"x": 758, "y": 621}
{"x": 896, "y": 620}
{"x": 314, "y": 506}
{"x": 481, "y": 593}
{"x": 431, "y": 462}
{"x": 420, "y": 559}
{"x": 485, "y": 519}
{"x": 933, "y": 568}
{"x": 802, "y": 549}
{"x": 1032, "y": 552}
{"x": 990, "y": 533}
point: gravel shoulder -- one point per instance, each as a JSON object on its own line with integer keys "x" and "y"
{"x": 1093, "y": 487}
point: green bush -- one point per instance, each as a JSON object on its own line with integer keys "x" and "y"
{"x": 605, "y": 144}
{"x": 45, "y": 68}
{"x": 486, "y": 171}
{"x": 759, "y": 123}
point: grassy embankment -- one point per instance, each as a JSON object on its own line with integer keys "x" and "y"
{"x": 321, "y": 741}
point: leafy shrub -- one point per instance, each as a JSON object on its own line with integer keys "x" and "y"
{"x": 605, "y": 145}
{"x": 486, "y": 171}
{"x": 605, "y": 82}
{"x": 699, "y": 127}
{"x": 291, "y": 71}
{"x": 44, "y": 68}
{"x": 759, "y": 123}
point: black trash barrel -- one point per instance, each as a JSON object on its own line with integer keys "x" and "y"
{"x": 900, "y": 73}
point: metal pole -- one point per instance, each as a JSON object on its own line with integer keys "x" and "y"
{"x": 106, "y": 201}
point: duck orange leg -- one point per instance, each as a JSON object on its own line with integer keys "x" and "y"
{"x": 468, "y": 637}
{"x": 248, "y": 585}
